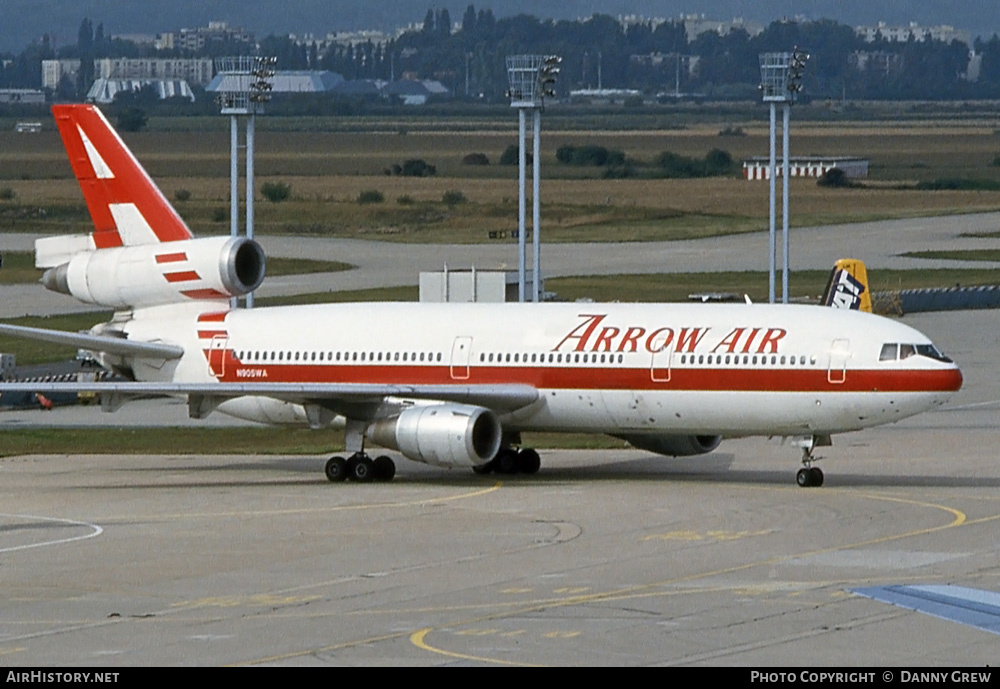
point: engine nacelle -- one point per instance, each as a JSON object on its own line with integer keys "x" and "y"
{"x": 447, "y": 435}
{"x": 675, "y": 445}
{"x": 161, "y": 273}
{"x": 274, "y": 412}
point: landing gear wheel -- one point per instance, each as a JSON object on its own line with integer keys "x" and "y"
{"x": 809, "y": 477}
{"x": 336, "y": 469}
{"x": 528, "y": 461}
{"x": 362, "y": 469}
{"x": 803, "y": 478}
{"x": 816, "y": 476}
{"x": 483, "y": 469}
{"x": 505, "y": 462}
{"x": 384, "y": 468}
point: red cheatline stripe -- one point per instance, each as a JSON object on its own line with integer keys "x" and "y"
{"x": 182, "y": 276}
{"x": 577, "y": 378}
{"x": 171, "y": 258}
{"x": 213, "y": 317}
{"x": 209, "y": 334}
{"x": 207, "y": 293}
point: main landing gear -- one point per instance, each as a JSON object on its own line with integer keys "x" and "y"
{"x": 511, "y": 461}
{"x": 809, "y": 476}
{"x": 361, "y": 468}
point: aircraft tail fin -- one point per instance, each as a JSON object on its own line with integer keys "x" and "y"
{"x": 848, "y": 286}
{"x": 126, "y": 206}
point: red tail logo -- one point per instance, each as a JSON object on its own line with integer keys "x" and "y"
{"x": 125, "y": 204}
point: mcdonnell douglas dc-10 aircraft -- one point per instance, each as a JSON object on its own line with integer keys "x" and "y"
{"x": 455, "y": 385}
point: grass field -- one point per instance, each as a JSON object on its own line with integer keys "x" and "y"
{"x": 329, "y": 162}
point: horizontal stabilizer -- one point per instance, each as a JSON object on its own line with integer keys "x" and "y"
{"x": 96, "y": 343}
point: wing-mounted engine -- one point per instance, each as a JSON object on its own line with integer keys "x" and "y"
{"x": 674, "y": 445}
{"x": 449, "y": 435}
{"x": 153, "y": 274}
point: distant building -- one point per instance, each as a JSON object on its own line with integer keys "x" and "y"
{"x": 23, "y": 96}
{"x": 54, "y": 70}
{"x": 416, "y": 92}
{"x": 697, "y": 24}
{"x": 463, "y": 286}
{"x": 368, "y": 88}
{"x": 197, "y": 71}
{"x": 902, "y": 34}
{"x": 283, "y": 81}
{"x": 196, "y": 39}
{"x": 104, "y": 90}
{"x": 806, "y": 166}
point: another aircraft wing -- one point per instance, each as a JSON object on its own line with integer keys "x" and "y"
{"x": 100, "y": 343}
{"x": 501, "y": 398}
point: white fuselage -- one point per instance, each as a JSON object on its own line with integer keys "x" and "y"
{"x": 726, "y": 370}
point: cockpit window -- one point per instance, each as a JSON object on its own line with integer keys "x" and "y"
{"x": 892, "y": 351}
{"x": 933, "y": 352}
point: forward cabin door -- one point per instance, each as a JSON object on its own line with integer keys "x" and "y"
{"x": 461, "y": 353}
{"x": 840, "y": 350}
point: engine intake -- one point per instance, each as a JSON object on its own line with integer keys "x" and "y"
{"x": 448, "y": 435}
{"x": 161, "y": 273}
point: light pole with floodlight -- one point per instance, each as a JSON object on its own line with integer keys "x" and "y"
{"x": 780, "y": 80}
{"x": 530, "y": 78}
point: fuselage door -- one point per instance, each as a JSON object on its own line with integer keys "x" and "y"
{"x": 661, "y": 361}
{"x": 217, "y": 355}
{"x": 839, "y": 353}
{"x": 461, "y": 352}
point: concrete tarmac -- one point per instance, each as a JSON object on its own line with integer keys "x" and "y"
{"x": 389, "y": 264}
{"x": 603, "y": 558}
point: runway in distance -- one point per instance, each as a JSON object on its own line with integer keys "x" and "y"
{"x": 456, "y": 385}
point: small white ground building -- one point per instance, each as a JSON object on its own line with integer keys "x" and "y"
{"x": 491, "y": 286}
{"x": 806, "y": 166}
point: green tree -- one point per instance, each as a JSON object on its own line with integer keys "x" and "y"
{"x": 131, "y": 119}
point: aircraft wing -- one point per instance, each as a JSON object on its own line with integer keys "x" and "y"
{"x": 99, "y": 343}
{"x": 501, "y": 398}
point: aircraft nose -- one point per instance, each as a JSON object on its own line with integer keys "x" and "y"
{"x": 955, "y": 379}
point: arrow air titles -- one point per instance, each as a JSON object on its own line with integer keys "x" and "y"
{"x": 592, "y": 335}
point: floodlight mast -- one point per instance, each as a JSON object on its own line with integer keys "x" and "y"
{"x": 246, "y": 86}
{"x": 780, "y": 81}
{"x": 531, "y": 78}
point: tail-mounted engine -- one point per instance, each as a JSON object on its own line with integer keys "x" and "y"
{"x": 450, "y": 435}
{"x": 161, "y": 273}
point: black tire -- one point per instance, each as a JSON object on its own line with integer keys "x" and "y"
{"x": 803, "y": 478}
{"x": 384, "y": 468}
{"x": 336, "y": 469}
{"x": 528, "y": 461}
{"x": 483, "y": 469}
{"x": 816, "y": 474}
{"x": 506, "y": 462}
{"x": 362, "y": 469}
